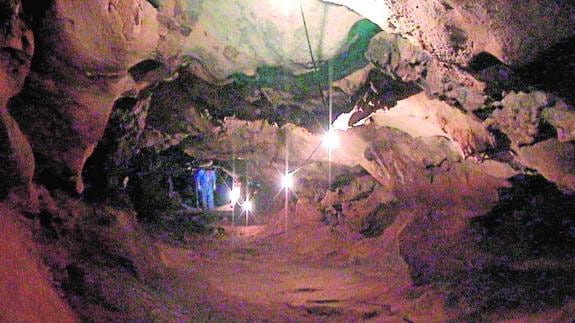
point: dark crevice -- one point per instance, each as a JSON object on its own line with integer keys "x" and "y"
{"x": 484, "y": 113}
{"x": 98, "y": 169}
{"x": 482, "y": 61}
{"x": 155, "y": 3}
{"x": 53, "y": 175}
{"x": 545, "y": 132}
{"x": 35, "y": 11}
{"x": 142, "y": 69}
{"x": 378, "y": 220}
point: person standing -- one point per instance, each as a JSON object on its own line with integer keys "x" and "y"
{"x": 206, "y": 185}
{"x": 210, "y": 187}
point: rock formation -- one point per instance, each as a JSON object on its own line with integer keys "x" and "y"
{"x": 452, "y": 132}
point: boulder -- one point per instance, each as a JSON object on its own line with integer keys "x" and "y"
{"x": 562, "y": 117}
{"x": 228, "y": 37}
{"x": 520, "y": 116}
{"x": 553, "y": 159}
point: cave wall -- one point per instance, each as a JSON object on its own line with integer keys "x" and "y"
{"x": 16, "y": 157}
{"x": 65, "y": 67}
{"x": 79, "y": 69}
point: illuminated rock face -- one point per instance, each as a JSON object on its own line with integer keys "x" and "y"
{"x": 80, "y": 70}
{"x": 450, "y": 126}
{"x": 86, "y": 56}
{"x": 228, "y": 37}
{"x": 84, "y": 53}
{"x": 455, "y": 31}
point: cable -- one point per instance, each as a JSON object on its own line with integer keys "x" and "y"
{"x": 311, "y": 53}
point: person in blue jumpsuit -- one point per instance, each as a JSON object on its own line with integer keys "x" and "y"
{"x": 206, "y": 185}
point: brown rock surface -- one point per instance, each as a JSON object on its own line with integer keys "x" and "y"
{"x": 520, "y": 116}
{"x": 398, "y": 57}
{"x": 26, "y": 291}
{"x": 553, "y": 159}
{"x": 80, "y": 70}
{"x": 16, "y": 50}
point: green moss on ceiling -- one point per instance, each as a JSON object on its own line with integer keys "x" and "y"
{"x": 342, "y": 65}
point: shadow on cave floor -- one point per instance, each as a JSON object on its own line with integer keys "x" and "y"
{"x": 531, "y": 233}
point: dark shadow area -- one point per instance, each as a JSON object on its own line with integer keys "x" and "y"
{"x": 530, "y": 234}
{"x": 140, "y": 71}
{"x": 532, "y": 219}
{"x": 553, "y": 70}
{"x": 545, "y": 131}
{"x": 497, "y": 289}
{"x": 35, "y": 11}
{"x": 378, "y": 220}
{"x": 381, "y": 92}
{"x": 498, "y": 77}
{"x": 482, "y": 61}
{"x": 156, "y": 180}
{"x": 101, "y": 167}
{"x": 53, "y": 175}
{"x": 242, "y": 101}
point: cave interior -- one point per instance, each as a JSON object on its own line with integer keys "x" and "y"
{"x": 375, "y": 160}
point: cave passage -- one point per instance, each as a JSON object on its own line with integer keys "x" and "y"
{"x": 287, "y": 161}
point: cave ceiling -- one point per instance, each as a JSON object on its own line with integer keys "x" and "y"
{"x": 173, "y": 71}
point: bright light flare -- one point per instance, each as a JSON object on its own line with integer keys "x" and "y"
{"x": 287, "y": 181}
{"x": 330, "y": 140}
{"x": 247, "y": 206}
{"x": 234, "y": 195}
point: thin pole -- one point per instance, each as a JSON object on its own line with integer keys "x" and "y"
{"x": 330, "y": 76}
{"x": 286, "y": 188}
{"x": 247, "y": 192}
{"x": 233, "y": 183}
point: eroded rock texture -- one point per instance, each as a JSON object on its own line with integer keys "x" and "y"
{"x": 80, "y": 69}
{"x": 446, "y": 143}
{"x": 16, "y": 50}
{"x": 456, "y": 31}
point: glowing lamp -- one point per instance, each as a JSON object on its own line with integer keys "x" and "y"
{"x": 234, "y": 195}
{"x": 330, "y": 140}
{"x": 287, "y": 181}
{"x": 247, "y": 206}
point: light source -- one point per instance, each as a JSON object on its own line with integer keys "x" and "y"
{"x": 247, "y": 206}
{"x": 287, "y": 181}
{"x": 330, "y": 140}
{"x": 234, "y": 195}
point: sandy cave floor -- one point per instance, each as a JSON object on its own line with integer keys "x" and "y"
{"x": 268, "y": 271}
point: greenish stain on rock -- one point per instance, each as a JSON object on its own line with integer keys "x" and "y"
{"x": 347, "y": 62}
{"x": 155, "y": 3}
{"x": 191, "y": 9}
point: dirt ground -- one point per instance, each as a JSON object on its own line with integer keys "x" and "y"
{"x": 300, "y": 276}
